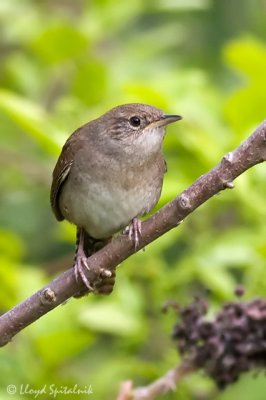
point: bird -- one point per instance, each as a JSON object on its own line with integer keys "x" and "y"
{"x": 109, "y": 174}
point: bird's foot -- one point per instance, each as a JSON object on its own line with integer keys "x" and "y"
{"x": 105, "y": 281}
{"x": 103, "y": 285}
{"x": 134, "y": 231}
{"x": 81, "y": 265}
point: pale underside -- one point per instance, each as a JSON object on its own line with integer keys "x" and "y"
{"x": 103, "y": 207}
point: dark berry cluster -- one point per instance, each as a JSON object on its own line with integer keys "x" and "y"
{"x": 233, "y": 342}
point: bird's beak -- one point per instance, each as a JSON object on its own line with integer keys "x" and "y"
{"x": 166, "y": 119}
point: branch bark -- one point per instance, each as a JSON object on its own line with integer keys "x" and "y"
{"x": 159, "y": 387}
{"x": 233, "y": 164}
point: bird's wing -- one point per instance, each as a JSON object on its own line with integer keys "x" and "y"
{"x": 165, "y": 166}
{"x": 61, "y": 172}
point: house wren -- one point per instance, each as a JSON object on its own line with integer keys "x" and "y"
{"x": 109, "y": 173}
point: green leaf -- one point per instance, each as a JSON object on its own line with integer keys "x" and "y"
{"x": 59, "y": 43}
{"x": 248, "y": 56}
{"x": 90, "y": 83}
{"x": 32, "y": 119}
{"x": 110, "y": 318}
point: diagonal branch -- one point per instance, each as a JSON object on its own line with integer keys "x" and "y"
{"x": 233, "y": 164}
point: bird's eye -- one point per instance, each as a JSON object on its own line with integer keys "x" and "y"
{"x": 134, "y": 121}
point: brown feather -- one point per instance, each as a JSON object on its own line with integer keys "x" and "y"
{"x": 61, "y": 171}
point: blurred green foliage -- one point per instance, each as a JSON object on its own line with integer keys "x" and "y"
{"x": 65, "y": 62}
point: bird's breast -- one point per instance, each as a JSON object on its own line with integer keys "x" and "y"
{"x": 105, "y": 204}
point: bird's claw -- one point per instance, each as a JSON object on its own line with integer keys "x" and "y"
{"x": 81, "y": 264}
{"x": 134, "y": 231}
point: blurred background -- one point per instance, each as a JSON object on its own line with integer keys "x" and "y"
{"x": 66, "y": 62}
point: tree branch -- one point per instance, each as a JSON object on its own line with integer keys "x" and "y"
{"x": 233, "y": 164}
{"x": 160, "y": 386}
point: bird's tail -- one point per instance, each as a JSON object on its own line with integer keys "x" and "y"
{"x": 91, "y": 245}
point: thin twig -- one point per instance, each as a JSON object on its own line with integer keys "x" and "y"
{"x": 166, "y": 383}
